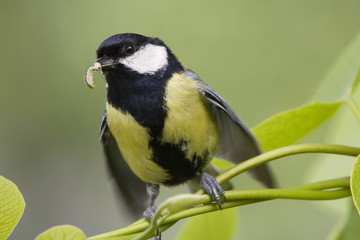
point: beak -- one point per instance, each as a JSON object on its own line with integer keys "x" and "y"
{"x": 106, "y": 62}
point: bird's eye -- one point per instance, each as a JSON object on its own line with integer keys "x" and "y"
{"x": 129, "y": 49}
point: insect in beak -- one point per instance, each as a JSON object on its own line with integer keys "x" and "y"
{"x": 89, "y": 75}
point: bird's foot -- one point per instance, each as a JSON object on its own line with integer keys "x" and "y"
{"x": 212, "y": 187}
{"x": 150, "y": 212}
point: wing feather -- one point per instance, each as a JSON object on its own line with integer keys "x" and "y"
{"x": 132, "y": 189}
{"x": 236, "y": 141}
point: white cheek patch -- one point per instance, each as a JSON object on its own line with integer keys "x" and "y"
{"x": 147, "y": 60}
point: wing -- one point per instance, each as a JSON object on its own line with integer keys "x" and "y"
{"x": 236, "y": 141}
{"x": 132, "y": 189}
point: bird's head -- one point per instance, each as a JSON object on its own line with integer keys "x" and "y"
{"x": 130, "y": 54}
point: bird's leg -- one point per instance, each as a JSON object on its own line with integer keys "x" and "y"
{"x": 153, "y": 192}
{"x": 212, "y": 187}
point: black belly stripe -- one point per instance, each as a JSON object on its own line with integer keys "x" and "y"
{"x": 172, "y": 158}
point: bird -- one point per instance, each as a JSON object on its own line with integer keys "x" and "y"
{"x": 163, "y": 124}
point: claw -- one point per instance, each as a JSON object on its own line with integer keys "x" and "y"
{"x": 212, "y": 187}
{"x": 150, "y": 211}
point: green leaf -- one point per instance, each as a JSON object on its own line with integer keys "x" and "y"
{"x": 210, "y": 226}
{"x": 289, "y": 127}
{"x": 12, "y": 206}
{"x": 355, "y": 183}
{"x": 65, "y": 232}
{"x": 221, "y": 164}
{"x": 338, "y": 81}
{"x": 349, "y": 229}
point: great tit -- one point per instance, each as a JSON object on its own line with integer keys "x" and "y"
{"x": 163, "y": 124}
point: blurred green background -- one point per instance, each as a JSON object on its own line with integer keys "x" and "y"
{"x": 261, "y": 56}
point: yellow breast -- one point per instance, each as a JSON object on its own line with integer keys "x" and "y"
{"x": 133, "y": 141}
{"x": 189, "y": 118}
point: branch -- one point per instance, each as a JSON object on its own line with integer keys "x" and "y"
{"x": 187, "y": 205}
{"x": 283, "y": 152}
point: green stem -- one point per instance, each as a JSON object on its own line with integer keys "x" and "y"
{"x": 239, "y": 197}
{"x": 312, "y": 191}
{"x": 287, "y": 194}
{"x": 354, "y": 107}
{"x": 243, "y": 197}
{"x": 268, "y": 194}
{"x": 257, "y": 195}
{"x": 283, "y": 152}
{"x": 343, "y": 182}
